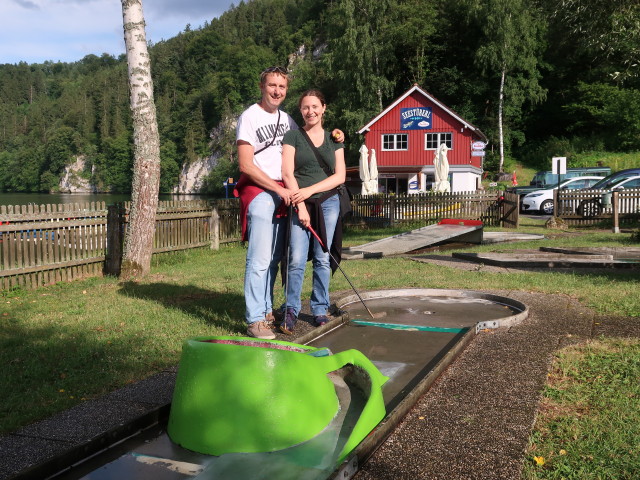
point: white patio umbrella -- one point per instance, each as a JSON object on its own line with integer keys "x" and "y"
{"x": 373, "y": 173}
{"x": 363, "y": 169}
{"x": 441, "y": 164}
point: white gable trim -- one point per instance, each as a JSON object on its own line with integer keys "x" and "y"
{"x": 409, "y": 92}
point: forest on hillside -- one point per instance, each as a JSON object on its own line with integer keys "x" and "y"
{"x": 542, "y": 77}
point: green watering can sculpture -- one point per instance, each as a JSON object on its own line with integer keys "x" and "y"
{"x": 236, "y": 394}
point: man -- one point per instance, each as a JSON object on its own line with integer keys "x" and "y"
{"x": 263, "y": 196}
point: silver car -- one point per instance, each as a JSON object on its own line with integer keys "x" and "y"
{"x": 541, "y": 201}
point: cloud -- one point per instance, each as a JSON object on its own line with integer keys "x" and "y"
{"x": 28, "y": 5}
{"x": 35, "y": 31}
{"x": 193, "y": 8}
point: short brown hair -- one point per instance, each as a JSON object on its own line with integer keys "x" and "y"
{"x": 273, "y": 70}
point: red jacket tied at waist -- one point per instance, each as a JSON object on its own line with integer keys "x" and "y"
{"x": 246, "y": 190}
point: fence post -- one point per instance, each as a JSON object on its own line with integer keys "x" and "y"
{"x": 115, "y": 238}
{"x": 614, "y": 205}
{"x": 214, "y": 232}
{"x": 392, "y": 210}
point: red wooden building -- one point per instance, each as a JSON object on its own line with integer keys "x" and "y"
{"x": 405, "y": 137}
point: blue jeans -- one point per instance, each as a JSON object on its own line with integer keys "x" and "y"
{"x": 266, "y": 237}
{"x": 299, "y": 250}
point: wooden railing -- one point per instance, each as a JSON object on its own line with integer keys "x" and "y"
{"x": 591, "y": 207}
{"x": 45, "y": 244}
{"x": 493, "y": 208}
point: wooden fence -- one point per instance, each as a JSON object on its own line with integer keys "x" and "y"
{"x": 45, "y": 244}
{"x": 492, "y": 208}
{"x": 591, "y": 207}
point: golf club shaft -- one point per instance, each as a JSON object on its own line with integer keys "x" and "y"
{"x": 313, "y": 232}
{"x": 287, "y": 250}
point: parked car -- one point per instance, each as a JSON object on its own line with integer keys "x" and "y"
{"x": 542, "y": 200}
{"x": 623, "y": 180}
{"x": 609, "y": 180}
{"x": 546, "y": 179}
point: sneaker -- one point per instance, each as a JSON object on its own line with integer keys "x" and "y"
{"x": 289, "y": 322}
{"x": 320, "y": 320}
{"x": 261, "y": 329}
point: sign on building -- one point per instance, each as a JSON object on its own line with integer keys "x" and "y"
{"x": 416, "y": 118}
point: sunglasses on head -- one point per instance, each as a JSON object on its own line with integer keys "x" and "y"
{"x": 280, "y": 70}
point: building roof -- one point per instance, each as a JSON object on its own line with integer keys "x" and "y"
{"x": 416, "y": 88}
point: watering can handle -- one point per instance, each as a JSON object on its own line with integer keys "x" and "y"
{"x": 374, "y": 409}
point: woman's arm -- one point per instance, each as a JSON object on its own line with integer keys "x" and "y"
{"x": 328, "y": 183}
{"x": 288, "y": 165}
{"x": 289, "y": 179}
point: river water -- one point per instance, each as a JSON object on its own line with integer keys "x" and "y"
{"x": 56, "y": 198}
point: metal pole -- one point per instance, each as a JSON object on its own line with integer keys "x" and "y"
{"x": 313, "y": 232}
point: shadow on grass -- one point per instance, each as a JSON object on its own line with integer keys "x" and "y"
{"x": 223, "y": 310}
{"x": 49, "y": 369}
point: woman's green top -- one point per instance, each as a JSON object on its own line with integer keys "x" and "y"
{"x": 307, "y": 169}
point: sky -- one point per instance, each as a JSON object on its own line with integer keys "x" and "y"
{"x": 35, "y": 31}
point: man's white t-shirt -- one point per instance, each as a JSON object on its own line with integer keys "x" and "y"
{"x": 257, "y": 127}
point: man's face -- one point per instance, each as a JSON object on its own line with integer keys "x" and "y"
{"x": 274, "y": 90}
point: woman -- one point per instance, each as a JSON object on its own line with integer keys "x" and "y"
{"x": 313, "y": 181}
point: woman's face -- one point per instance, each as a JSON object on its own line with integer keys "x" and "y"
{"x": 312, "y": 110}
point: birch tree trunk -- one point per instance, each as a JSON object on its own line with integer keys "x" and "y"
{"x": 138, "y": 243}
{"x": 500, "y": 119}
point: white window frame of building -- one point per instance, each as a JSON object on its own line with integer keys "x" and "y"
{"x": 440, "y": 137}
{"x": 395, "y": 141}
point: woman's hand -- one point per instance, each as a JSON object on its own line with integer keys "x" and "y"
{"x": 301, "y": 195}
{"x": 337, "y": 135}
{"x": 303, "y": 216}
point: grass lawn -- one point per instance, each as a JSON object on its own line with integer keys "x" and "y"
{"x": 63, "y": 344}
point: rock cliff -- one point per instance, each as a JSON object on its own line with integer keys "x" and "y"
{"x": 193, "y": 174}
{"x": 73, "y": 178}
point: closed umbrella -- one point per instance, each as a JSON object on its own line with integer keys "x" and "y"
{"x": 373, "y": 173}
{"x": 441, "y": 164}
{"x": 363, "y": 169}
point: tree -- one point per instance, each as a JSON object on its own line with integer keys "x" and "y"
{"x": 609, "y": 28}
{"x": 138, "y": 243}
{"x": 510, "y": 46}
{"x": 358, "y": 62}
{"x": 357, "y": 52}
{"x": 412, "y": 36}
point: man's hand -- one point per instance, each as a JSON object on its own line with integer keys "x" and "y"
{"x": 285, "y": 194}
{"x": 337, "y": 135}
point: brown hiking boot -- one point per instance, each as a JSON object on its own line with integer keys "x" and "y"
{"x": 261, "y": 329}
{"x": 270, "y": 319}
